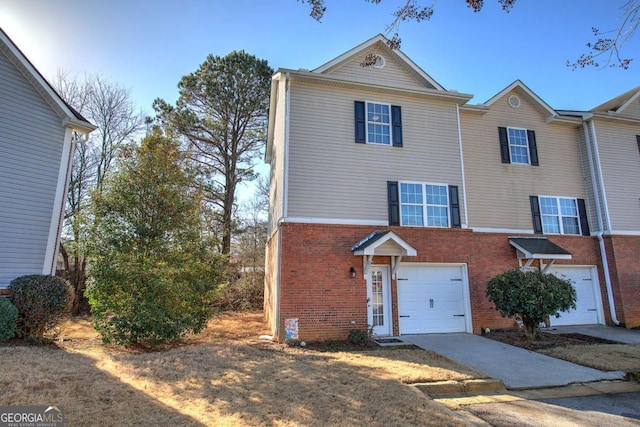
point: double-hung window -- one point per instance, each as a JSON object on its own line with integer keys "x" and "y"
{"x": 559, "y": 215}
{"x": 424, "y": 204}
{"x": 518, "y": 146}
{"x": 378, "y": 123}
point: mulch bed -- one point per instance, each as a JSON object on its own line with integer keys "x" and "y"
{"x": 545, "y": 340}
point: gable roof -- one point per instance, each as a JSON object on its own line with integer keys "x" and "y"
{"x": 381, "y": 42}
{"x": 70, "y": 117}
{"x": 619, "y": 103}
{"x": 535, "y": 99}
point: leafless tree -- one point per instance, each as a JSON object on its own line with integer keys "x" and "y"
{"x": 111, "y": 108}
{"x": 605, "y": 50}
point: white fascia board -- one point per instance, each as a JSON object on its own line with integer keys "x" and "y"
{"x": 306, "y": 76}
{"x": 41, "y": 85}
{"x": 366, "y": 45}
{"x": 407, "y": 249}
{"x": 524, "y": 88}
{"x": 336, "y": 221}
{"x": 628, "y": 102}
{"x": 275, "y": 82}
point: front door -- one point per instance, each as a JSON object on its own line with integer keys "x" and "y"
{"x": 378, "y": 307}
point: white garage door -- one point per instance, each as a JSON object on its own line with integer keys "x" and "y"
{"x": 432, "y": 299}
{"x": 588, "y": 303}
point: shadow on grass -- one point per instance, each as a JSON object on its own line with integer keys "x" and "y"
{"x": 32, "y": 375}
{"x": 242, "y": 384}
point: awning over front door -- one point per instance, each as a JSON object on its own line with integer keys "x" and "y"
{"x": 382, "y": 243}
{"x": 541, "y": 248}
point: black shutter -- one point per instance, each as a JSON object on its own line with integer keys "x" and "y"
{"x": 396, "y": 125}
{"x": 504, "y": 145}
{"x": 533, "y": 148}
{"x": 454, "y": 206}
{"x": 361, "y": 134}
{"x": 394, "y": 202}
{"x": 638, "y": 139}
{"x": 582, "y": 212}
{"x": 535, "y": 214}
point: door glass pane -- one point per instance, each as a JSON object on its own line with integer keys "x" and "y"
{"x": 376, "y": 298}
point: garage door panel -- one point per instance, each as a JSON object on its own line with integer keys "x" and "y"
{"x": 431, "y": 299}
{"x": 588, "y": 307}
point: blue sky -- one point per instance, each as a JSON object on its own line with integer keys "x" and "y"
{"x": 148, "y": 45}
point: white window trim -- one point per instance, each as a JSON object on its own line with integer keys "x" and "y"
{"x": 366, "y": 124}
{"x": 560, "y": 215}
{"x": 424, "y": 203}
{"x": 526, "y": 136}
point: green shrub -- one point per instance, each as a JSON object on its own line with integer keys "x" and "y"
{"x": 8, "y": 318}
{"x": 532, "y": 296}
{"x": 42, "y": 302}
{"x": 358, "y": 336}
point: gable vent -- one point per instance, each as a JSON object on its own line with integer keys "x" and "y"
{"x": 514, "y": 101}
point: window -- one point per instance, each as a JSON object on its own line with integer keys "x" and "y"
{"x": 378, "y": 123}
{"x": 424, "y": 204}
{"x": 518, "y": 146}
{"x": 559, "y": 215}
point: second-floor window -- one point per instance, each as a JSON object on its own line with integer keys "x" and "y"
{"x": 424, "y": 205}
{"x": 559, "y": 215}
{"x": 518, "y": 146}
{"x": 378, "y": 123}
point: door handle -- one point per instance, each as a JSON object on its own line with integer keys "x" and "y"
{"x": 430, "y": 302}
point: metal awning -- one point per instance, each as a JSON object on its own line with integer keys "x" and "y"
{"x": 382, "y": 243}
{"x": 541, "y": 248}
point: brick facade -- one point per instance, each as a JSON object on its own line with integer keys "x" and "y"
{"x": 316, "y": 286}
{"x": 622, "y": 254}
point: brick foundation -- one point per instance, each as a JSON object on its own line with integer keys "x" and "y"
{"x": 316, "y": 286}
{"x": 623, "y": 253}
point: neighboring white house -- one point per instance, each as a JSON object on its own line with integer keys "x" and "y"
{"x": 38, "y": 131}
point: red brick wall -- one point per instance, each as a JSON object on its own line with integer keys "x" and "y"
{"x": 623, "y": 253}
{"x": 316, "y": 286}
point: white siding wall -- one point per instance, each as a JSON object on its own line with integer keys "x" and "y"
{"x": 498, "y": 193}
{"x": 330, "y": 176}
{"x": 277, "y": 183}
{"x": 620, "y": 161}
{"x": 31, "y": 139}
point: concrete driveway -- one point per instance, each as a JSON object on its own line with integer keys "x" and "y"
{"x": 517, "y": 368}
{"x": 627, "y": 336}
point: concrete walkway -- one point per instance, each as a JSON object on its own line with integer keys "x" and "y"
{"x": 517, "y": 368}
{"x": 627, "y": 336}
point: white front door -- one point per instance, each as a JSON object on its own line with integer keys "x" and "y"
{"x": 378, "y": 307}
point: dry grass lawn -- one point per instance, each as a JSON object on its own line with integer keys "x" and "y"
{"x": 606, "y": 357}
{"x": 224, "y": 376}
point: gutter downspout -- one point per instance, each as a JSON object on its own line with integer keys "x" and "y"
{"x": 464, "y": 180}
{"x": 603, "y": 251}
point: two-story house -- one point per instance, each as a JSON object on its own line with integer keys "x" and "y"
{"x": 38, "y": 131}
{"x": 393, "y": 201}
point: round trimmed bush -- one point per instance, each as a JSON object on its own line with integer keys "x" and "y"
{"x": 42, "y": 302}
{"x": 8, "y": 317}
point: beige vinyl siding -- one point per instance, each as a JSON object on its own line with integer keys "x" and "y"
{"x": 395, "y": 73}
{"x": 277, "y": 164}
{"x": 31, "y": 141}
{"x": 498, "y": 193}
{"x": 620, "y": 163}
{"x": 330, "y": 176}
{"x": 591, "y": 198}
